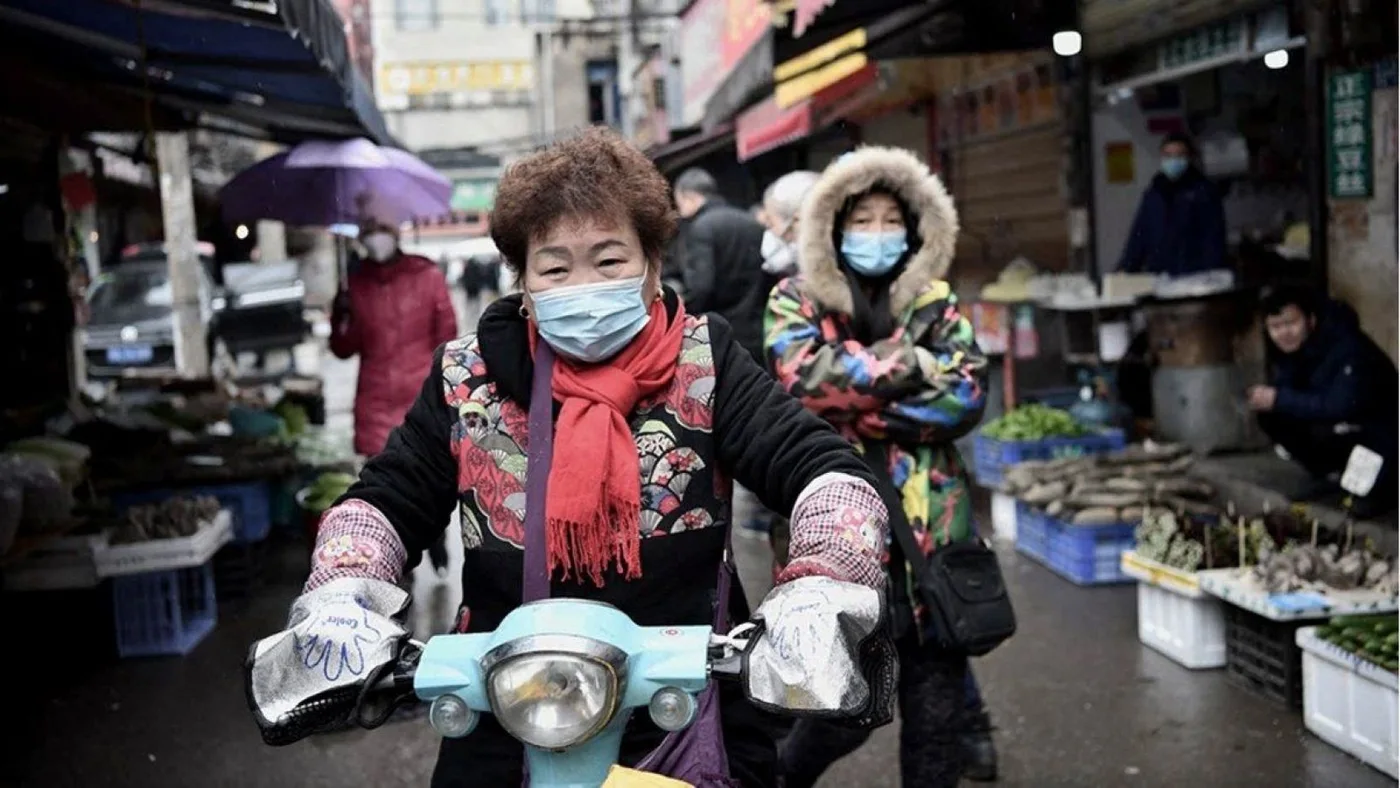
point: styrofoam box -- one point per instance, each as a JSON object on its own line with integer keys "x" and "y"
{"x": 1004, "y": 517}
{"x": 63, "y": 564}
{"x": 161, "y": 554}
{"x": 1188, "y": 629}
{"x": 1349, "y": 702}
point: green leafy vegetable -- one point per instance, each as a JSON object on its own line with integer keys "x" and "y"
{"x": 1034, "y": 422}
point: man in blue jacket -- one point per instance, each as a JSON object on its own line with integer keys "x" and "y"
{"x": 1332, "y": 388}
{"x": 1180, "y": 224}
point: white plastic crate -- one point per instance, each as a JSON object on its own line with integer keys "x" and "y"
{"x": 1349, "y": 702}
{"x": 1003, "y": 517}
{"x": 1189, "y": 630}
{"x": 162, "y": 554}
{"x": 1174, "y": 616}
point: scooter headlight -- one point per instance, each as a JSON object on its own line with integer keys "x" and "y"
{"x": 553, "y": 700}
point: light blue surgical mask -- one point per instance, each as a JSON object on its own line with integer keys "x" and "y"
{"x": 1174, "y": 166}
{"x": 594, "y": 322}
{"x": 874, "y": 254}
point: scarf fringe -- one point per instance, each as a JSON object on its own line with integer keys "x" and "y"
{"x": 578, "y": 550}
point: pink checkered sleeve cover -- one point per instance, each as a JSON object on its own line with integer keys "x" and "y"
{"x": 839, "y": 528}
{"x": 356, "y": 540}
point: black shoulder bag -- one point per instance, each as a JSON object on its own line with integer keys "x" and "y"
{"x": 960, "y": 583}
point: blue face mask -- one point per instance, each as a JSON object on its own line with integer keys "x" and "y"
{"x": 1174, "y": 166}
{"x": 591, "y": 323}
{"x": 874, "y": 254}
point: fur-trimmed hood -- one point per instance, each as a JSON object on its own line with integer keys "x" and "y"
{"x": 855, "y": 173}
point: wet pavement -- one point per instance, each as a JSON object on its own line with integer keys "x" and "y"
{"x": 1078, "y": 701}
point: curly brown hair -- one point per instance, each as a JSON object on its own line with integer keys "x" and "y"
{"x": 596, "y": 175}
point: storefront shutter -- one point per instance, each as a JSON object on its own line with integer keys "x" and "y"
{"x": 1009, "y": 195}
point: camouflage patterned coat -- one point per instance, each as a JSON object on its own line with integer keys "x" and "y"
{"x": 918, "y": 389}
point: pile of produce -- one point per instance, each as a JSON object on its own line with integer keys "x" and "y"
{"x": 1180, "y": 542}
{"x": 1034, "y": 423}
{"x": 34, "y": 498}
{"x": 1193, "y": 542}
{"x": 1301, "y": 567}
{"x": 325, "y": 490}
{"x": 1373, "y": 638}
{"x": 293, "y": 416}
{"x": 1105, "y": 489}
{"x": 209, "y": 459}
{"x": 169, "y": 519}
{"x": 67, "y": 458}
{"x": 324, "y": 447}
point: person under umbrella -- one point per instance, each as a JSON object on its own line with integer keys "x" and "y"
{"x": 394, "y": 314}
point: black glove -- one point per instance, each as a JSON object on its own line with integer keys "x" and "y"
{"x": 340, "y": 307}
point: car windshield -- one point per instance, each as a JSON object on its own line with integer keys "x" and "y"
{"x": 131, "y": 294}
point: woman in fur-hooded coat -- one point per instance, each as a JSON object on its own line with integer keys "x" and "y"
{"x": 869, "y": 336}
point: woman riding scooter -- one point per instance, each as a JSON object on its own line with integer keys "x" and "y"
{"x": 869, "y": 336}
{"x": 656, "y": 412}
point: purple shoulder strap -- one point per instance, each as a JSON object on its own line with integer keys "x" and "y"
{"x": 538, "y": 460}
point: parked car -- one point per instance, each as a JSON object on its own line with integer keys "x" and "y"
{"x": 131, "y": 324}
{"x": 131, "y": 329}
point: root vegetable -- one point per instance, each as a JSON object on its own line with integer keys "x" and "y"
{"x": 1097, "y": 516}
{"x": 1042, "y": 494}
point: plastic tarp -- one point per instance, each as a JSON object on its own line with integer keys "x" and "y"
{"x": 287, "y": 69}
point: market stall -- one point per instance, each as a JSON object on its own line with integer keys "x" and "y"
{"x": 162, "y": 503}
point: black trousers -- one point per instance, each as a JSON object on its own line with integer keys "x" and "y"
{"x": 933, "y": 699}
{"x": 438, "y": 552}
{"x": 1321, "y": 451}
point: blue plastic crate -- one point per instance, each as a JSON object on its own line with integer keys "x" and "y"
{"x": 1082, "y": 554}
{"x": 991, "y": 457}
{"x": 1089, "y": 555}
{"x": 249, "y": 504}
{"x": 1032, "y": 532}
{"x": 163, "y": 613}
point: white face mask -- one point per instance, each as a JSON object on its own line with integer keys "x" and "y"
{"x": 779, "y": 256}
{"x": 380, "y": 246}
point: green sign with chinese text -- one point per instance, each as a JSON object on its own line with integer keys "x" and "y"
{"x": 1349, "y": 135}
{"x": 1203, "y": 43}
{"x": 474, "y": 195}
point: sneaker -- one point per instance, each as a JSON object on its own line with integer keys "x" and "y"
{"x": 979, "y": 752}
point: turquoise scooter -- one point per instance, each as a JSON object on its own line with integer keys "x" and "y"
{"x": 564, "y": 676}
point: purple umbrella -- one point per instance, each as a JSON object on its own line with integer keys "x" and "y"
{"x": 324, "y": 183}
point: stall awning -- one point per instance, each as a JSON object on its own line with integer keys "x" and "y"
{"x": 767, "y": 125}
{"x": 281, "y": 69}
{"x": 847, "y": 35}
{"x": 677, "y": 154}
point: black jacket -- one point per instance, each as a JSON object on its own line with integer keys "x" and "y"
{"x": 760, "y": 437}
{"x": 722, "y": 269}
{"x": 1339, "y": 375}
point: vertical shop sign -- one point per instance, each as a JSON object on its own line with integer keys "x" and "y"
{"x": 715, "y": 35}
{"x": 992, "y": 325}
{"x": 1349, "y": 134}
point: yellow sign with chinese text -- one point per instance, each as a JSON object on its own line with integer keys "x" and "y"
{"x": 425, "y": 78}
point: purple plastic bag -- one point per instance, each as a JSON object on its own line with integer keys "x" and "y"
{"x": 695, "y": 755}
